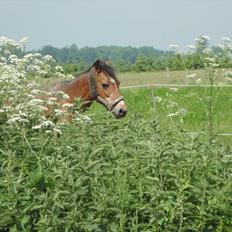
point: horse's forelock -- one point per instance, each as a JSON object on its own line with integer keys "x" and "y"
{"x": 110, "y": 71}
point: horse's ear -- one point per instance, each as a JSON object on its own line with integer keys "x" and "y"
{"x": 97, "y": 65}
{"x": 108, "y": 61}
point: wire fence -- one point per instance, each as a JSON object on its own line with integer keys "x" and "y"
{"x": 171, "y": 86}
{"x": 180, "y": 86}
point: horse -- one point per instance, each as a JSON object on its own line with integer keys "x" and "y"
{"x": 98, "y": 83}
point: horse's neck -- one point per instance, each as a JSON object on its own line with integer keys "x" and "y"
{"x": 79, "y": 87}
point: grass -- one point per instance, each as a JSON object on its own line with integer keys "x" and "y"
{"x": 192, "y": 99}
{"x": 162, "y": 77}
{"x": 166, "y": 77}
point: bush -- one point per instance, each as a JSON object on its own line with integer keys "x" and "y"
{"x": 91, "y": 178}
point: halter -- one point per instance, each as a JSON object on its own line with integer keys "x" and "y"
{"x": 94, "y": 94}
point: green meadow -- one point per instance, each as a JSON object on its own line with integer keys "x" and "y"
{"x": 195, "y": 100}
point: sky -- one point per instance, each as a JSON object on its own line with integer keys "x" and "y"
{"x": 92, "y": 23}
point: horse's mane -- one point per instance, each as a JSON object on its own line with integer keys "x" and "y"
{"x": 106, "y": 68}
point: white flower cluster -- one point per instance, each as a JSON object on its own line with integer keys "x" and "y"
{"x": 228, "y": 76}
{"x": 21, "y": 102}
{"x": 226, "y": 44}
{"x": 202, "y": 39}
{"x": 172, "y": 108}
{"x": 175, "y": 48}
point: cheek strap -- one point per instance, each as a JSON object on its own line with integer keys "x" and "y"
{"x": 92, "y": 84}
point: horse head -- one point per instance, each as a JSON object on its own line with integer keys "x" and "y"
{"x": 104, "y": 88}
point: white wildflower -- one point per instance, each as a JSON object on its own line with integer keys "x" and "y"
{"x": 174, "y": 47}
{"x": 199, "y": 81}
{"x": 172, "y": 104}
{"x": 191, "y": 47}
{"x": 172, "y": 115}
{"x": 24, "y": 40}
{"x": 30, "y": 95}
{"x": 182, "y": 112}
{"x": 66, "y": 96}
{"x": 173, "y": 89}
{"x": 58, "y": 112}
{"x": 35, "y": 101}
{"x": 31, "y": 56}
{"x": 202, "y": 38}
{"x": 86, "y": 118}
{"x": 47, "y": 124}
{"x": 13, "y": 59}
{"x": 3, "y": 60}
{"x": 226, "y": 39}
{"x": 77, "y": 119}
{"x": 23, "y": 114}
{"x": 36, "y": 91}
{"x": 57, "y": 131}
{"x": 210, "y": 59}
{"x": 48, "y": 57}
{"x": 42, "y": 72}
{"x": 157, "y": 99}
{"x": 208, "y": 51}
{"x": 59, "y": 69}
{"x": 52, "y": 98}
{"x": 31, "y": 85}
{"x": 219, "y": 46}
{"x": 62, "y": 95}
{"x": 67, "y": 105}
{"x": 69, "y": 148}
{"x": 41, "y": 108}
{"x": 48, "y": 132}
{"x": 191, "y": 76}
{"x": 37, "y": 127}
{"x": 228, "y": 74}
{"x": 15, "y": 119}
{"x": 228, "y": 79}
{"x": 37, "y": 62}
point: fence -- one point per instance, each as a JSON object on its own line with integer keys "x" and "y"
{"x": 171, "y": 86}
{"x": 180, "y": 86}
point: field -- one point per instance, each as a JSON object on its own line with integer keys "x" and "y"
{"x": 194, "y": 99}
{"x": 169, "y": 77}
{"x": 144, "y": 172}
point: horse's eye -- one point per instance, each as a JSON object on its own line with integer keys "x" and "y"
{"x": 105, "y": 85}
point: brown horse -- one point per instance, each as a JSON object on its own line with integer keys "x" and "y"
{"x": 98, "y": 83}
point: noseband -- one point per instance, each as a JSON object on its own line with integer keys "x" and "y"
{"x": 94, "y": 94}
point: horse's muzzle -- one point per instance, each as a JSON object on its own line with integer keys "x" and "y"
{"x": 120, "y": 110}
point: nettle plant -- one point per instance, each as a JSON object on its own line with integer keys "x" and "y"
{"x": 21, "y": 101}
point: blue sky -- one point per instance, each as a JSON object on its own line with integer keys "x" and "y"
{"x": 157, "y": 23}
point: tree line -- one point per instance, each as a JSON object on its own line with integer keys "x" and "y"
{"x": 142, "y": 59}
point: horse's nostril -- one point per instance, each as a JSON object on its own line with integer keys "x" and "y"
{"x": 122, "y": 112}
